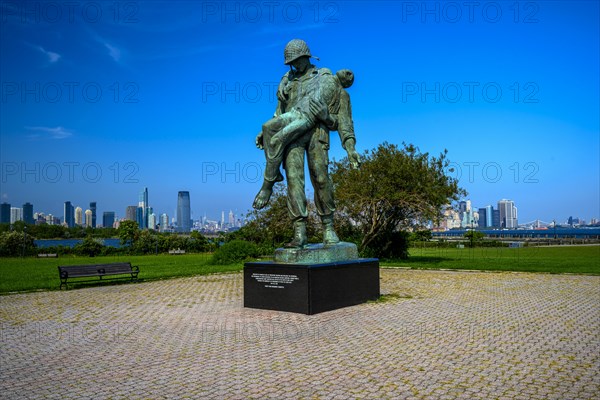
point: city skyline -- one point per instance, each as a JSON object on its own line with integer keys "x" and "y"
{"x": 465, "y": 213}
{"x": 170, "y": 96}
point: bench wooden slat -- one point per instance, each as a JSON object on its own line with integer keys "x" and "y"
{"x": 99, "y": 270}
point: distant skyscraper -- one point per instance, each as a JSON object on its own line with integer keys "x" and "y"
{"x": 93, "y": 210}
{"x": 152, "y": 221}
{"x": 69, "y": 217}
{"x": 183, "y": 212}
{"x": 130, "y": 213}
{"x": 222, "y": 219}
{"x": 231, "y": 219}
{"x": 496, "y": 218}
{"x": 78, "y": 216}
{"x": 481, "y": 223}
{"x": 88, "y": 219}
{"x": 139, "y": 217}
{"x": 143, "y": 204}
{"x": 508, "y": 214}
{"x": 4, "y": 213}
{"x": 108, "y": 219}
{"x": 28, "y": 213}
{"x": 164, "y": 222}
{"x": 16, "y": 214}
{"x": 489, "y": 216}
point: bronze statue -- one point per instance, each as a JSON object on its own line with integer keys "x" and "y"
{"x": 311, "y": 102}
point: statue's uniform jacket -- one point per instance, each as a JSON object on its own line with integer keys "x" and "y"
{"x": 320, "y": 84}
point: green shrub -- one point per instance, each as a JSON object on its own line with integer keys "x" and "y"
{"x": 14, "y": 244}
{"x": 90, "y": 247}
{"x": 235, "y": 251}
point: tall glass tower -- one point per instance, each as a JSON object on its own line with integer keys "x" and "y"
{"x": 183, "y": 212}
{"x": 28, "y": 213}
{"x": 93, "y": 210}
{"x": 142, "y": 219}
{"x": 4, "y": 213}
{"x": 69, "y": 214}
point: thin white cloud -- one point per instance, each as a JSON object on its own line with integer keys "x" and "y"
{"x": 46, "y": 132}
{"x": 113, "y": 51}
{"x": 52, "y": 56}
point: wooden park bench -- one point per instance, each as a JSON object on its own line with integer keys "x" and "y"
{"x": 101, "y": 271}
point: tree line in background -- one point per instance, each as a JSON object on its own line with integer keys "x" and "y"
{"x": 19, "y": 241}
{"x": 396, "y": 190}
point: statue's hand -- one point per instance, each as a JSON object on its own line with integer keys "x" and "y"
{"x": 354, "y": 159}
{"x": 259, "y": 141}
{"x": 319, "y": 109}
{"x": 281, "y": 90}
{"x": 281, "y": 94}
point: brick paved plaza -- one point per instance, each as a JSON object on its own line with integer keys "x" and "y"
{"x": 438, "y": 335}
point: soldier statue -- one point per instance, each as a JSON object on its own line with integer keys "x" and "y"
{"x": 311, "y": 102}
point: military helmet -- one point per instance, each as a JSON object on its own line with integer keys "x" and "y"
{"x": 295, "y": 49}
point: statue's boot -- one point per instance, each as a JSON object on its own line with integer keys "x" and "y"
{"x": 329, "y": 235}
{"x": 299, "y": 239}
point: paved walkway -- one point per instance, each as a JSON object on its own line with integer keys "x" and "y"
{"x": 439, "y": 335}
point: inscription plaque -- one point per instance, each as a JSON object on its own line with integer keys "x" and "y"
{"x": 275, "y": 281}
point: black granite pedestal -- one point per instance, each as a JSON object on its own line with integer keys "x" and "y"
{"x": 310, "y": 288}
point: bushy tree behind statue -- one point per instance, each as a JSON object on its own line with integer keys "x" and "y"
{"x": 394, "y": 190}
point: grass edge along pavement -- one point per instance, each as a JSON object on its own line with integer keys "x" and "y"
{"x": 556, "y": 260}
{"x": 30, "y": 274}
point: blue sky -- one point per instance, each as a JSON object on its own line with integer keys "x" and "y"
{"x": 102, "y": 99}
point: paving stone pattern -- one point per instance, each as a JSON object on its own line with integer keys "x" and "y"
{"x": 437, "y": 335}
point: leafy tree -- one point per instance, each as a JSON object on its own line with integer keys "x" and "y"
{"x": 146, "y": 241}
{"x": 15, "y": 244}
{"x": 19, "y": 226}
{"x": 394, "y": 189}
{"x": 128, "y": 232}
{"x": 420, "y": 236}
{"x": 199, "y": 242}
{"x": 89, "y": 247}
{"x": 474, "y": 237}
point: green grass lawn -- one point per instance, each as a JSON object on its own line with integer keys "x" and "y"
{"x": 26, "y": 274}
{"x": 565, "y": 259}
